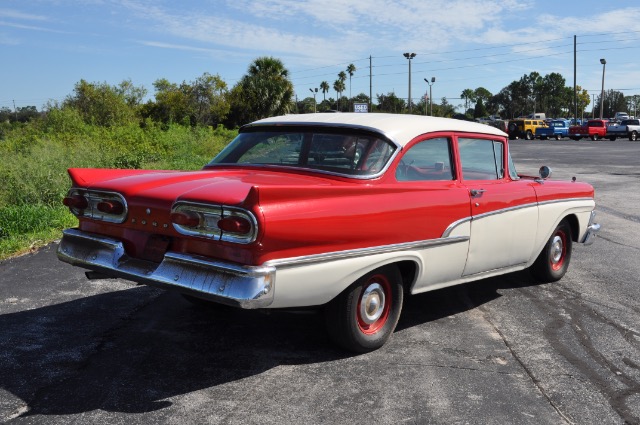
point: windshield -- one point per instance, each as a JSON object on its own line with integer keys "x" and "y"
{"x": 357, "y": 154}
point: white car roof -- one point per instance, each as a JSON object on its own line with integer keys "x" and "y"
{"x": 400, "y": 128}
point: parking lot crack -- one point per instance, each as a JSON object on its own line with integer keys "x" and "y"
{"x": 536, "y": 382}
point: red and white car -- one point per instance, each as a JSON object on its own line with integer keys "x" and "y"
{"x": 345, "y": 212}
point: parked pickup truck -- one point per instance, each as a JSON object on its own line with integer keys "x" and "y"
{"x": 556, "y": 129}
{"x": 596, "y": 129}
{"x": 627, "y": 128}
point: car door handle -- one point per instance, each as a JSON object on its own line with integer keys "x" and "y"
{"x": 477, "y": 192}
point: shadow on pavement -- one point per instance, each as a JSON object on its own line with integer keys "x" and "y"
{"x": 128, "y": 351}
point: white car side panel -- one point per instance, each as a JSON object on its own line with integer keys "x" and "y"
{"x": 550, "y": 215}
{"x": 317, "y": 284}
{"x": 502, "y": 240}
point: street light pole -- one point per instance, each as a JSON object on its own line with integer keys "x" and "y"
{"x": 314, "y": 92}
{"x": 604, "y": 63}
{"x": 433, "y": 80}
{"x": 409, "y": 56}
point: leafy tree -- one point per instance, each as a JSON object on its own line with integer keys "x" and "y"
{"x": 325, "y": 105}
{"x": 554, "y": 96}
{"x": 390, "y": 103}
{"x": 613, "y": 102}
{"x": 479, "y": 110}
{"x": 633, "y": 102}
{"x": 324, "y": 86}
{"x": 264, "y": 91}
{"x": 101, "y": 104}
{"x": 444, "y": 109}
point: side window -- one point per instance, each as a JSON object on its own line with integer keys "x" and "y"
{"x": 481, "y": 159}
{"x": 427, "y": 160}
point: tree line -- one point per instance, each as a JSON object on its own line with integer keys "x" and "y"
{"x": 266, "y": 90}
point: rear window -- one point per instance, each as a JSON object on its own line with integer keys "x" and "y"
{"x": 339, "y": 152}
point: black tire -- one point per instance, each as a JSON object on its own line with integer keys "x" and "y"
{"x": 595, "y": 137}
{"x": 366, "y": 327}
{"x": 558, "y": 137}
{"x": 553, "y": 262}
{"x": 633, "y": 136}
{"x": 528, "y": 135}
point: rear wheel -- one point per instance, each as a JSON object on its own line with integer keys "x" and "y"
{"x": 363, "y": 317}
{"x": 528, "y": 135}
{"x": 633, "y": 136}
{"x": 595, "y": 137}
{"x": 553, "y": 262}
{"x": 558, "y": 137}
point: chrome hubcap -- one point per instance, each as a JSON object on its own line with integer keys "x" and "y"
{"x": 556, "y": 249}
{"x": 372, "y": 304}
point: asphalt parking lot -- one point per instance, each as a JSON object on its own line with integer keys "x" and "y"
{"x": 502, "y": 350}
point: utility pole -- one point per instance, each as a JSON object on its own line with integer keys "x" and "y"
{"x": 370, "y": 85}
{"x": 15, "y": 110}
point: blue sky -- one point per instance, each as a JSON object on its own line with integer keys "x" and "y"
{"x": 48, "y": 46}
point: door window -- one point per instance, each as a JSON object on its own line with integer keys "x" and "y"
{"x": 427, "y": 160}
{"x": 481, "y": 159}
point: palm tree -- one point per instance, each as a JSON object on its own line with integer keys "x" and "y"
{"x": 338, "y": 86}
{"x": 342, "y": 76}
{"x": 467, "y": 95}
{"x": 266, "y": 88}
{"x": 351, "y": 69}
{"x": 324, "y": 86}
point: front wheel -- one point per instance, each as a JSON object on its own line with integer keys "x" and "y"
{"x": 595, "y": 137}
{"x": 528, "y": 135}
{"x": 633, "y": 136}
{"x": 363, "y": 317}
{"x": 553, "y": 262}
{"x": 558, "y": 137}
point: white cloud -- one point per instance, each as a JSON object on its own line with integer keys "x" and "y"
{"x": 15, "y": 14}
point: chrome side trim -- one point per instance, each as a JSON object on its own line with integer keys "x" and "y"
{"x": 504, "y": 210}
{"x": 242, "y": 286}
{"x": 592, "y": 230}
{"x": 558, "y": 201}
{"x": 363, "y": 252}
{"x": 455, "y": 224}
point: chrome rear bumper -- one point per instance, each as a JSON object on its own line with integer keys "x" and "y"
{"x": 242, "y": 286}
{"x": 592, "y": 229}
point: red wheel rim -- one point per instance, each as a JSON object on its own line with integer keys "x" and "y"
{"x": 374, "y": 304}
{"x": 558, "y": 250}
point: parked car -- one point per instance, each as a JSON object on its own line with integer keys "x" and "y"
{"x": 619, "y": 116}
{"x": 524, "y": 128}
{"x": 555, "y": 129}
{"x": 595, "y": 129}
{"x": 346, "y": 213}
{"x": 627, "y": 128}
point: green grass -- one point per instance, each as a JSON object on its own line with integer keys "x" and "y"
{"x": 28, "y": 227}
{"x": 35, "y": 157}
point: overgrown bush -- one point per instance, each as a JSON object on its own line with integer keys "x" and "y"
{"x": 35, "y": 157}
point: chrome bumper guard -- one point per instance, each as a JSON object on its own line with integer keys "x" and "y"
{"x": 242, "y": 286}
{"x": 592, "y": 229}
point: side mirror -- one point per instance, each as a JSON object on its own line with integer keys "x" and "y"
{"x": 545, "y": 172}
